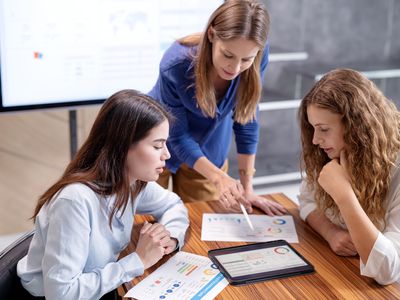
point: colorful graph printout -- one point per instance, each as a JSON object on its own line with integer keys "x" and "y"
{"x": 183, "y": 276}
{"x": 234, "y": 228}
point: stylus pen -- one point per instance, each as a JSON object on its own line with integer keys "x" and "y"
{"x": 246, "y": 216}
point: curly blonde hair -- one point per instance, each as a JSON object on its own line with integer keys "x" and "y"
{"x": 371, "y": 134}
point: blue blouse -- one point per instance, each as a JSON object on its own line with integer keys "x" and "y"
{"x": 192, "y": 134}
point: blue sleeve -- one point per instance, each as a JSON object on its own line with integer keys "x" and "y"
{"x": 66, "y": 252}
{"x": 246, "y": 136}
{"x": 167, "y": 208}
{"x": 180, "y": 140}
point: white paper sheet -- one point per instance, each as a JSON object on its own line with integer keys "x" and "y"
{"x": 234, "y": 228}
{"x": 183, "y": 276}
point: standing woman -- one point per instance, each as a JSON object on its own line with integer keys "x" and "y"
{"x": 211, "y": 82}
{"x": 350, "y": 135}
{"x": 84, "y": 220}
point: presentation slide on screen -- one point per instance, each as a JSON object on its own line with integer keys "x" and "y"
{"x": 77, "y": 50}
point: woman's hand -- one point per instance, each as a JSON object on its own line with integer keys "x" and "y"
{"x": 231, "y": 192}
{"x": 170, "y": 245}
{"x": 340, "y": 242}
{"x": 154, "y": 242}
{"x": 334, "y": 179}
{"x": 270, "y": 207}
{"x": 232, "y": 195}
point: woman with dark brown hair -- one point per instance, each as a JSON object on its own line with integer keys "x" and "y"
{"x": 85, "y": 219}
{"x": 211, "y": 82}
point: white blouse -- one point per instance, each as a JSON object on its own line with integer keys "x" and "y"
{"x": 384, "y": 260}
{"x": 74, "y": 252}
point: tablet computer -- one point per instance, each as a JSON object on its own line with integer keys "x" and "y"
{"x": 259, "y": 262}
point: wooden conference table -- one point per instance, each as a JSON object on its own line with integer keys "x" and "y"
{"x": 335, "y": 277}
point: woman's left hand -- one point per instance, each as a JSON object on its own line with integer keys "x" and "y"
{"x": 334, "y": 179}
{"x": 169, "y": 245}
{"x": 270, "y": 207}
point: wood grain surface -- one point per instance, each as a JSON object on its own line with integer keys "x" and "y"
{"x": 335, "y": 277}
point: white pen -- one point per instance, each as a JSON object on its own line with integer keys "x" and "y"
{"x": 246, "y": 216}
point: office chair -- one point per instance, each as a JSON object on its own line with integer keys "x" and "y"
{"x": 10, "y": 284}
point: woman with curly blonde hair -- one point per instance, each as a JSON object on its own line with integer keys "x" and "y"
{"x": 351, "y": 194}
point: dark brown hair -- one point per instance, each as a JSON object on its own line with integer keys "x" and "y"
{"x": 124, "y": 119}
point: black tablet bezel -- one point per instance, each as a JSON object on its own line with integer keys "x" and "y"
{"x": 257, "y": 277}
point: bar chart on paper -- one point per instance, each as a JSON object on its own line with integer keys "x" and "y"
{"x": 183, "y": 276}
{"x": 186, "y": 268}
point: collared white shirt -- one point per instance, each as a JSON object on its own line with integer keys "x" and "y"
{"x": 73, "y": 254}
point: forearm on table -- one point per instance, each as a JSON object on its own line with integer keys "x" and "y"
{"x": 320, "y": 223}
{"x": 362, "y": 231}
{"x": 246, "y": 162}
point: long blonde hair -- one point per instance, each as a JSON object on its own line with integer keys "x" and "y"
{"x": 233, "y": 19}
{"x": 371, "y": 134}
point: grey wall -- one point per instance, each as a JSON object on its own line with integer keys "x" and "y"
{"x": 360, "y": 34}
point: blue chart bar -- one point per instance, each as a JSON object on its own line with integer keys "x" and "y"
{"x": 208, "y": 287}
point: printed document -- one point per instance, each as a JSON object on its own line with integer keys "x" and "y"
{"x": 183, "y": 276}
{"x": 234, "y": 228}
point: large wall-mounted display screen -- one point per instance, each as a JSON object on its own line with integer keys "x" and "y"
{"x": 72, "y": 52}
